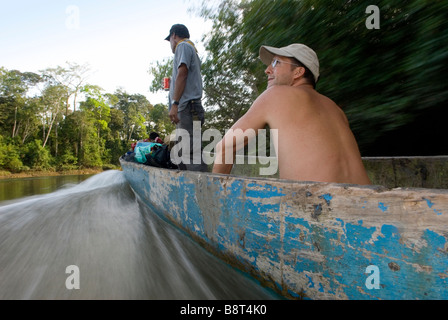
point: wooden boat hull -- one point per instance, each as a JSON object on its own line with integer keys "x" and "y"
{"x": 306, "y": 239}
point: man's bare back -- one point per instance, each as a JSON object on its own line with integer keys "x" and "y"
{"x": 314, "y": 140}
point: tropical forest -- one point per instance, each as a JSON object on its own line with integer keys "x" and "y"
{"x": 385, "y": 63}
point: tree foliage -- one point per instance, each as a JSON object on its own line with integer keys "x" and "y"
{"x": 389, "y": 81}
{"x": 42, "y": 128}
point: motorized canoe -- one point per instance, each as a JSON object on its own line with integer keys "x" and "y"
{"x": 316, "y": 240}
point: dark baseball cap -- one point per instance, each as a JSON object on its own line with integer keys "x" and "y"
{"x": 180, "y": 30}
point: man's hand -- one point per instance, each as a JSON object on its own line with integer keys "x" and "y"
{"x": 179, "y": 87}
{"x": 173, "y": 114}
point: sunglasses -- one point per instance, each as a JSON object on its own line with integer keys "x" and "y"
{"x": 276, "y": 61}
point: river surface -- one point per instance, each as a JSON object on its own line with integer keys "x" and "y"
{"x": 94, "y": 239}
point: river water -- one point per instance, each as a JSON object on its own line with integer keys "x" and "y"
{"x": 96, "y": 240}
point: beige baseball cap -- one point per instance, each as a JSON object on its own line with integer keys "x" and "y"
{"x": 301, "y": 52}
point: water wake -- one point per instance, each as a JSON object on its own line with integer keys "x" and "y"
{"x": 122, "y": 250}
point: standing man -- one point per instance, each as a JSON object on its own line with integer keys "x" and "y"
{"x": 185, "y": 107}
{"x": 313, "y": 138}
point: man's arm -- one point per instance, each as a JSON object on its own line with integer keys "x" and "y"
{"x": 179, "y": 87}
{"x": 238, "y": 136}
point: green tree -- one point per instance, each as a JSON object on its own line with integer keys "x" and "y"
{"x": 10, "y": 156}
{"x": 116, "y": 148}
{"x": 136, "y": 111}
{"x": 70, "y": 141}
{"x": 98, "y": 114}
{"x": 28, "y": 120}
{"x": 385, "y": 79}
{"x": 160, "y": 120}
{"x": 17, "y": 116}
{"x": 159, "y": 115}
{"x": 81, "y": 140}
{"x": 36, "y": 156}
{"x": 230, "y": 82}
{"x": 116, "y": 124}
{"x": 53, "y": 103}
{"x": 71, "y": 78}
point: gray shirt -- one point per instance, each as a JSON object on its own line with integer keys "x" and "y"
{"x": 186, "y": 53}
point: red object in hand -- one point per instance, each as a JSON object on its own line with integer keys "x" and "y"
{"x": 166, "y": 84}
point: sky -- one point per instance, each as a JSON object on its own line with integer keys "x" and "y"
{"x": 118, "y": 39}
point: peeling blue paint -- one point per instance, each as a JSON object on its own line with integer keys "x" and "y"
{"x": 327, "y": 197}
{"x": 263, "y": 191}
{"x": 364, "y": 205}
{"x": 341, "y": 221}
{"x": 430, "y": 205}
{"x": 293, "y": 294}
{"x": 382, "y": 207}
{"x": 310, "y": 281}
{"x": 428, "y": 202}
{"x": 321, "y": 288}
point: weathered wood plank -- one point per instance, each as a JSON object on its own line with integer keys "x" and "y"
{"x": 310, "y": 240}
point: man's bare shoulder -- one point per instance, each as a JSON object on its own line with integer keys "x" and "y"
{"x": 288, "y": 90}
{"x": 284, "y": 95}
{"x": 275, "y": 93}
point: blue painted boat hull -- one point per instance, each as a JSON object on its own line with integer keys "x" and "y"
{"x": 310, "y": 240}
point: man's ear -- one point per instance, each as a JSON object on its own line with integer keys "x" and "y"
{"x": 299, "y": 72}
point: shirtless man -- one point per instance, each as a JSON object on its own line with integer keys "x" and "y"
{"x": 314, "y": 141}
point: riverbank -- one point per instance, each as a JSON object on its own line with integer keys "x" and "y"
{"x": 31, "y": 173}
